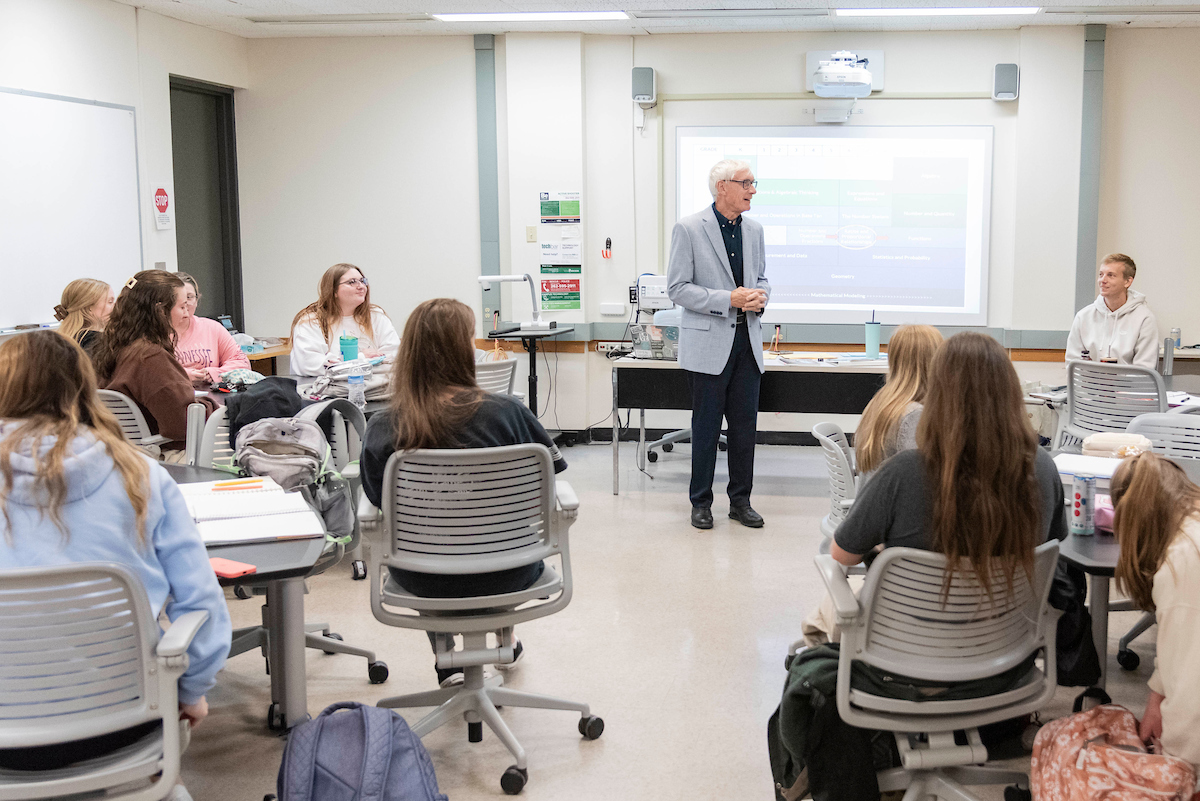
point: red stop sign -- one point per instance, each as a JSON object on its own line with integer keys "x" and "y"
{"x": 160, "y": 200}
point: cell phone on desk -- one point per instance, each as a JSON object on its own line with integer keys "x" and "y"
{"x": 228, "y": 568}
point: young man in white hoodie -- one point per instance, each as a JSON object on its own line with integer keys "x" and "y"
{"x": 1118, "y": 326}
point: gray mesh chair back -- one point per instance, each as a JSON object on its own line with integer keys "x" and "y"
{"x": 1173, "y": 435}
{"x": 906, "y": 627}
{"x": 839, "y": 462}
{"x": 215, "y": 450}
{"x": 1106, "y": 397}
{"x": 499, "y": 377}
{"x": 475, "y": 510}
{"x": 129, "y": 416}
{"x": 78, "y": 659}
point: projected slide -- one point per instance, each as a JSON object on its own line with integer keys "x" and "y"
{"x": 890, "y": 220}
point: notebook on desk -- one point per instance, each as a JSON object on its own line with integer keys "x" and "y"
{"x": 260, "y": 512}
{"x": 1102, "y": 468}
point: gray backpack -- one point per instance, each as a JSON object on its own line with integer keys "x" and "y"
{"x": 354, "y": 752}
{"x": 294, "y": 452}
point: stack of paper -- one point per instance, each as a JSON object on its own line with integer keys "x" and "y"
{"x": 231, "y": 512}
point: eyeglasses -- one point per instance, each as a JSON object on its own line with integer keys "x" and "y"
{"x": 355, "y": 282}
{"x": 746, "y": 184}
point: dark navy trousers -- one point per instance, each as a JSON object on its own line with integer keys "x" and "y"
{"x": 733, "y": 395}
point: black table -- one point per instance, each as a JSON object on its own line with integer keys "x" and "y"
{"x": 824, "y": 389}
{"x": 530, "y": 340}
{"x": 282, "y": 566}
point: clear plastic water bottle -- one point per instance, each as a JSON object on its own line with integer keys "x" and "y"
{"x": 357, "y": 383}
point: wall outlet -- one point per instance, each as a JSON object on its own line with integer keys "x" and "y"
{"x": 531, "y": 233}
{"x": 633, "y": 298}
{"x": 160, "y": 265}
{"x": 609, "y": 347}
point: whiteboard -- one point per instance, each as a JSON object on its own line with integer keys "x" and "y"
{"x": 69, "y": 204}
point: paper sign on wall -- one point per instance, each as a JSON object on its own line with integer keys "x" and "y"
{"x": 164, "y": 213}
{"x": 560, "y": 294}
{"x": 559, "y": 207}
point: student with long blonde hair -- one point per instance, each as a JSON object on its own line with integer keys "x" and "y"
{"x": 889, "y": 423}
{"x": 84, "y": 310}
{"x": 977, "y": 485}
{"x": 343, "y": 307}
{"x": 1157, "y": 523}
{"x": 73, "y": 490}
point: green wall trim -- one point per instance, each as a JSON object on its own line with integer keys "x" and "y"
{"x": 489, "y": 181}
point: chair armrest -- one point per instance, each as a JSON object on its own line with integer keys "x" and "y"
{"x": 833, "y": 574}
{"x": 565, "y": 497}
{"x": 369, "y": 515}
{"x": 846, "y": 503}
{"x": 157, "y": 439}
{"x": 179, "y": 636}
{"x": 351, "y": 471}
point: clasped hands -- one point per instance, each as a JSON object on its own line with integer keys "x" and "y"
{"x": 751, "y": 300}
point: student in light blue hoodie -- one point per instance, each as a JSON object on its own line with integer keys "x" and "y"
{"x": 73, "y": 490}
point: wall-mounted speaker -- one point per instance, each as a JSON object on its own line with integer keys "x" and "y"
{"x": 1006, "y": 81}
{"x": 644, "y": 90}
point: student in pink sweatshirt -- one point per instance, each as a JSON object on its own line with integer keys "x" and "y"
{"x": 204, "y": 347}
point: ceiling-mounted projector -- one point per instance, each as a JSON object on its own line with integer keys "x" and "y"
{"x": 843, "y": 75}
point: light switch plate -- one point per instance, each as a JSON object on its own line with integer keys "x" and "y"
{"x": 531, "y": 233}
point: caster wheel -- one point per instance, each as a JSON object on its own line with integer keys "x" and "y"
{"x": 1015, "y": 793}
{"x": 514, "y": 779}
{"x": 475, "y": 735}
{"x": 1128, "y": 660}
{"x": 591, "y": 727}
{"x": 241, "y": 593}
{"x": 276, "y": 720}
{"x": 377, "y": 672}
{"x": 652, "y": 457}
{"x": 358, "y": 571}
{"x": 333, "y": 636}
{"x": 721, "y": 446}
{"x": 668, "y": 446}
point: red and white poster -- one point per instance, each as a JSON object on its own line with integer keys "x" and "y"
{"x": 560, "y": 294}
{"x": 164, "y": 202}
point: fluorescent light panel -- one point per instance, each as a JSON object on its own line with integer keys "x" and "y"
{"x": 339, "y": 19}
{"x": 536, "y": 16}
{"x": 936, "y": 12}
{"x": 726, "y": 13}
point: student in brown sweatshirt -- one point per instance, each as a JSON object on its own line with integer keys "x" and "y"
{"x": 136, "y": 356}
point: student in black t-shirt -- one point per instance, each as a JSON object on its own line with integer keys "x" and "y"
{"x": 437, "y": 404}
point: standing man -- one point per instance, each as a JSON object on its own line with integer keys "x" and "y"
{"x": 1118, "y": 326}
{"x": 717, "y": 274}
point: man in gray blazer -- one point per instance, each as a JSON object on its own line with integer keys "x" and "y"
{"x": 717, "y": 274}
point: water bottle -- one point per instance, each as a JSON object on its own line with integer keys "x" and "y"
{"x": 356, "y": 381}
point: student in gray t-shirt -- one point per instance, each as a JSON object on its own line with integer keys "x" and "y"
{"x": 973, "y": 435}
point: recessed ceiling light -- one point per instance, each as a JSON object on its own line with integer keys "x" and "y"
{"x": 935, "y": 12}
{"x": 536, "y": 16}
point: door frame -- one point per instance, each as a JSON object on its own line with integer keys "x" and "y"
{"x": 231, "y": 232}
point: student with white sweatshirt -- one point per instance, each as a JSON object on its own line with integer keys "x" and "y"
{"x": 343, "y": 307}
{"x": 1118, "y": 326}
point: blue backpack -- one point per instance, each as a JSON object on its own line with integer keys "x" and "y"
{"x": 365, "y": 753}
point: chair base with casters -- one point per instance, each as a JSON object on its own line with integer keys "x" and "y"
{"x": 1127, "y": 658}
{"x": 667, "y": 443}
{"x": 316, "y": 636}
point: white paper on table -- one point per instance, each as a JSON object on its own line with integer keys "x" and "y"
{"x": 1182, "y": 399}
{"x": 296, "y": 525}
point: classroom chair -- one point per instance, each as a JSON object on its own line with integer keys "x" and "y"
{"x": 900, "y": 624}
{"x": 214, "y": 451}
{"x": 477, "y": 510}
{"x": 499, "y": 377}
{"x": 1106, "y": 397}
{"x": 839, "y": 462}
{"x": 90, "y": 662}
{"x": 133, "y": 422}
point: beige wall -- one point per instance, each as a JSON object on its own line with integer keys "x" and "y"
{"x": 100, "y": 50}
{"x": 1150, "y": 167}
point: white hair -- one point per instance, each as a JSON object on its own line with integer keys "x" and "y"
{"x": 724, "y": 171}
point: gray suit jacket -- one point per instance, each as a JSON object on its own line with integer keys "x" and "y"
{"x": 700, "y": 280}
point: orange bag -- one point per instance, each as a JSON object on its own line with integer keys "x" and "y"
{"x": 1097, "y": 756}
